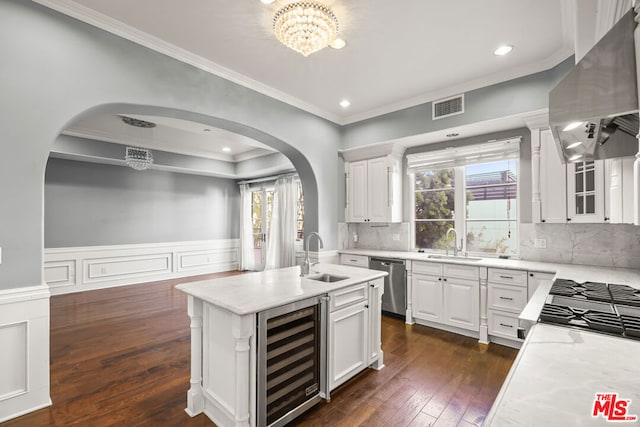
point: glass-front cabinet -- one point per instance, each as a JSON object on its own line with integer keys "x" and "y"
{"x": 585, "y": 191}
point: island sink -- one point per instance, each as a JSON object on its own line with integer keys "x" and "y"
{"x": 327, "y": 278}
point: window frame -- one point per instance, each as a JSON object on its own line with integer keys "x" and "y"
{"x": 460, "y": 215}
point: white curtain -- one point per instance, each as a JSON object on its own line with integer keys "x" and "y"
{"x": 281, "y": 250}
{"x": 247, "y": 259}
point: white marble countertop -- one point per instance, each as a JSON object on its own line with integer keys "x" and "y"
{"x": 559, "y": 370}
{"x": 255, "y": 292}
{"x": 579, "y": 273}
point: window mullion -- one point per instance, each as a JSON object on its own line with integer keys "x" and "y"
{"x": 460, "y": 211}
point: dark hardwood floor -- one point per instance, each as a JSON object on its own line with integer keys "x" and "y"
{"x": 120, "y": 357}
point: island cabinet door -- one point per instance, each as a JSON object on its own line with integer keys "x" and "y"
{"x": 348, "y": 342}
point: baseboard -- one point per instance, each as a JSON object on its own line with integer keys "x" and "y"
{"x": 24, "y": 359}
{"x": 78, "y": 269}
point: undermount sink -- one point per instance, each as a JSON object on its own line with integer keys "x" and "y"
{"x": 327, "y": 278}
{"x": 454, "y": 257}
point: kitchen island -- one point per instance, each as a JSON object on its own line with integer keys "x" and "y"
{"x": 224, "y": 333}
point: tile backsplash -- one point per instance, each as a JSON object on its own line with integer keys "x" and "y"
{"x": 606, "y": 245}
{"x": 389, "y": 237}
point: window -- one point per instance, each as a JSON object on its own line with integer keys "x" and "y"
{"x": 434, "y": 207}
{"x": 478, "y": 200}
{"x": 491, "y": 217}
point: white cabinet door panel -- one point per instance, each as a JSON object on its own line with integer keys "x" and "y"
{"x": 427, "y": 297}
{"x": 462, "y": 303}
{"x": 348, "y": 337}
{"x": 357, "y": 192}
{"x": 378, "y": 190}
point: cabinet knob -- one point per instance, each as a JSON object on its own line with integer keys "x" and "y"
{"x": 568, "y": 219}
{"x": 530, "y": 274}
{"x": 372, "y": 285}
{"x": 543, "y": 220}
{"x": 606, "y": 219}
{"x": 439, "y": 278}
{"x": 445, "y": 279}
{"x": 366, "y": 306}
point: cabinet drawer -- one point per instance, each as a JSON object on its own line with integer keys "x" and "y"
{"x": 507, "y": 297}
{"x": 351, "y": 295}
{"x": 508, "y": 277}
{"x": 503, "y": 325}
{"x": 430, "y": 268}
{"x": 354, "y": 260}
{"x": 462, "y": 271}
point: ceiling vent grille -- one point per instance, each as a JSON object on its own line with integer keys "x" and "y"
{"x": 448, "y": 107}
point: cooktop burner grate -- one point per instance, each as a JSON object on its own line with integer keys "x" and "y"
{"x": 631, "y": 325}
{"x": 556, "y": 314}
{"x": 625, "y": 295}
{"x": 606, "y": 322}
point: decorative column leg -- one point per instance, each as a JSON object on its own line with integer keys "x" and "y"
{"x": 195, "y": 397}
{"x": 484, "y": 323}
{"x": 243, "y": 329}
{"x": 409, "y": 320}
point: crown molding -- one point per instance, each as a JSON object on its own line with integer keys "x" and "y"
{"x": 537, "y": 119}
{"x": 491, "y": 79}
{"x": 106, "y": 23}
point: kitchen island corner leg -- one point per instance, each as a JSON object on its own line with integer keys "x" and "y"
{"x": 195, "y": 396}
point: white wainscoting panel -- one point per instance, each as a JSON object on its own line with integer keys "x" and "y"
{"x": 95, "y": 267}
{"x": 24, "y": 354}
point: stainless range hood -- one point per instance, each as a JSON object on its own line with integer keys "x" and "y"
{"x": 593, "y": 111}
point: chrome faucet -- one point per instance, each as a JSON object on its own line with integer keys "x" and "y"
{"x": 456, "y": 249}
{"x": 306, "y": 264}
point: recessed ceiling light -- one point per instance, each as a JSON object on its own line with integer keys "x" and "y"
{"x": 345, "y": 103}
{"x": 571, "y": 126}
{"x": 574, "y": 145}
{"x": 503, "y": 50}
{"x": 226, "y": 149}
{"x": 338, "y": 43}
{"x": 206, "y": 130}
{"x": 267, "y": 1}
{"x": 452, "y": 134}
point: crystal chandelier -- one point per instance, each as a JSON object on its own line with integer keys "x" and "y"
{"x": 138, "y": 158}
{"x": 305, "y": 27}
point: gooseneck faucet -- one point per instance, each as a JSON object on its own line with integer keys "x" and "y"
{"x": 306, "y": 265}
{"x": 456, "y": 249}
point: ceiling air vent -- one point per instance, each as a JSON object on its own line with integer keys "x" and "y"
{"x": 448, "y": 107}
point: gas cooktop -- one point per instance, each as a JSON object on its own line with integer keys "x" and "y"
{"x": 600, "y": 307}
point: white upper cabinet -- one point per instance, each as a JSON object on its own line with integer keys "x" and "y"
{"x": 553, "y": 181}
{"x": 585, "y": 191}
{"x": 374, "y": 190}
{"x": 597, "y": 191}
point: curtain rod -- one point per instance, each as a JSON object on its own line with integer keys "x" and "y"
{"x": 268, "y": 178}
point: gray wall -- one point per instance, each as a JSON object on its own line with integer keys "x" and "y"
{"x": 56, "y": 69}
{"x": 522, "y": 95}
{"x": 92, "y": 204}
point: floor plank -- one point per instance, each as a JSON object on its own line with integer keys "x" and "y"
{"x": 120, "y": 356}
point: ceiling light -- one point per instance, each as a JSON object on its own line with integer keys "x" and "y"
{"x": 138, "y": 158}
{"x": 206, "y": 130}
{"x": 574, "y": 145}
{"x": 267, "y": 1}
{"x": 452, "y": 135}
{"x": 575, "y": 157}
{"x": 503, "y": 50}
{"x": 571, "y": 126}
{"x": 345, "y": 103}
{"x": 305, "y": 27}
{"x": 226, "y": 149}
{"x": 338, "y": 43}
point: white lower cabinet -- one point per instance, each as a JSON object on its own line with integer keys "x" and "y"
{"x": 451, "y": 296}
{"x": 427, "y": 297}
{"x": 461, "y": 303}
{"x": 354, "y": 340}
{"x": 506, "y": 297}
{"x": 348, "y": 333}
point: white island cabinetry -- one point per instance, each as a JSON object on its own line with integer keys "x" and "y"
{"x": 224, "y": 334}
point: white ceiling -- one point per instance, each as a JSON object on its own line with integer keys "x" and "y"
{"x": 398, "y": 54}
{"x": 170, "y": 134}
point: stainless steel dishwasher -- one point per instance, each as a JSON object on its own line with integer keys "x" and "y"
{"x": 394, "y": 299}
